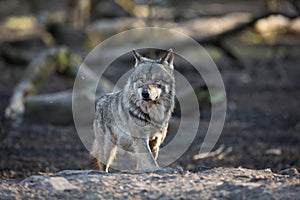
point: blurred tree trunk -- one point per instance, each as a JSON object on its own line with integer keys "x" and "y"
{"x": 79, "y": 13}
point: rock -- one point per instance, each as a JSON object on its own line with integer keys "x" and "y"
{"x": 60, "y": 183}
{"x": 47, "y": 183}
{"x": 66, "y": 173}
{"x": 290, "y": 171}
{"x": 33, "y": 179}
{"x": 218, "y": 183}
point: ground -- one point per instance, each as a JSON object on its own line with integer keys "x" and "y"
{"x": 218, "y": 183}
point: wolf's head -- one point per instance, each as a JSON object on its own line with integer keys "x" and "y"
{"x": 153, "y": 80}
{"x": 150, "y": 90}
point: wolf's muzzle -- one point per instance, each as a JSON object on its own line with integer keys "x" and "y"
{"x": 146, "y": 95}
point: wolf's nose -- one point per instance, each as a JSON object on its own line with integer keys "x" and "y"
{"x": 145, "y": 93}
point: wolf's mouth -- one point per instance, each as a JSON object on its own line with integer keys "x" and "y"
{"x": 147, "y": 99}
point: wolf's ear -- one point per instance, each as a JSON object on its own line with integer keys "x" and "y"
{"x": 138, "y": 57}
{"x": 168, "y": 59}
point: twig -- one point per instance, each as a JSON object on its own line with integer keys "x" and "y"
{"x": 210, "y": 154}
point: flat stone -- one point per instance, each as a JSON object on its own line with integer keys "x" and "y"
{"x": 60, "y": 183}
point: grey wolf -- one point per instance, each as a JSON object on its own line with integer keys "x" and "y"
{"x": 136, "y": 118}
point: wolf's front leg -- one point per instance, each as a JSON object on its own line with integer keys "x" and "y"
{"x": 154, "y": 144}
{"x": 143, "y": 154}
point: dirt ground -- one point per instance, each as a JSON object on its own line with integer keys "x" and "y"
{"x": 218, "y": 183}
{"x": 261, "y": 130}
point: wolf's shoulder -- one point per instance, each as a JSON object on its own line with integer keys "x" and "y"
{"x": 106, "y": 100}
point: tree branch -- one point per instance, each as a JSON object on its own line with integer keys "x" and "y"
{"x": 218, "y": 39}
{"x": 215, "y": 39}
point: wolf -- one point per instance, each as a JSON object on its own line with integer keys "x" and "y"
{"x": 136, "y": 118}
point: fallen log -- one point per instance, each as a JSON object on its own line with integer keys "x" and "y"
{"x": 45, "y": 64}
{"x": 98, "y": 31}
{"x": 215, "y": 39}
{"x": 56, "y": 108}
{"x": 50, "y": 106}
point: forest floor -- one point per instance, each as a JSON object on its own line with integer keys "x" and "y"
{"x": 261, "y": 129}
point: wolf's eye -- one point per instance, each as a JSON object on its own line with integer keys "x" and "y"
{"x": 158, "y": 83}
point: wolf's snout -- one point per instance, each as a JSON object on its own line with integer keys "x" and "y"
{"x": 145, "y": 94}
{"x": 150, "y": 93}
